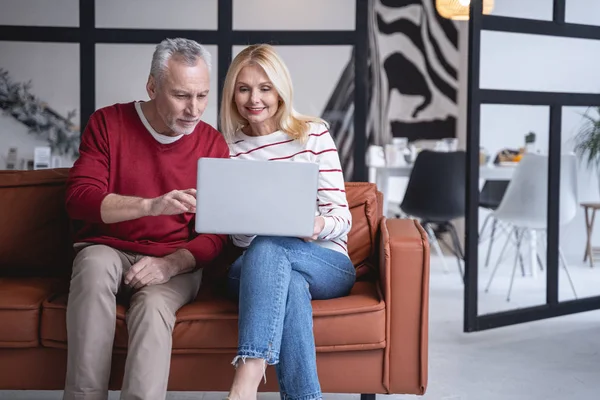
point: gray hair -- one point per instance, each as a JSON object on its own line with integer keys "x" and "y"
{"x": 186, "y": 50}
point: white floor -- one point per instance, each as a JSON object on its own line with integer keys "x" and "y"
{"x": 555, "y": 359}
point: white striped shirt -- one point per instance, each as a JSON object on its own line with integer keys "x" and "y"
{"x": 331, "y": 195}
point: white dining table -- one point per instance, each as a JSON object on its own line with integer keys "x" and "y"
{"x": 382, "y": 174}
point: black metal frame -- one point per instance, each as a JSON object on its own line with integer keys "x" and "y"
{"x": 555, "y": 101}
{"x": 87, "y": 36}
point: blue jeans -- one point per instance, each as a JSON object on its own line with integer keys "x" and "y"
{"x": 275, "y": 279}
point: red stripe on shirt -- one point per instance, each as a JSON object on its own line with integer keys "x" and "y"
{"x": 332, "y": 241}
{"x": 303, "y": 151}
{"x": 330, "y": 170}
{"x": 262, "y": 147}
{"x": 318, "y": 134}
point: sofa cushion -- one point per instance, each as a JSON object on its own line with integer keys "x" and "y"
{"x": 33, "y": 204}
{"x": 356, "y": 321}
{"x": 20, "y": 307}
{"x": 362, "y": 200}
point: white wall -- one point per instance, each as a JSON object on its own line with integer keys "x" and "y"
{"x": 294, "y": 15}
{"x": 39, "y": 12}
{"x": 539, "y": 63}
{"x": 53, "y": 70}
{"x": 157, "y": 14}
{"x": 15, "y": 134}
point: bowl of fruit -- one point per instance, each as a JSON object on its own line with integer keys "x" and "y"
{"x": 509, "y": 157}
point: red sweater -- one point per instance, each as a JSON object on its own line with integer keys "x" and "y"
{"x": 118, "y": 155}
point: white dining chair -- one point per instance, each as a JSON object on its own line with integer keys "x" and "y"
{"x": 525, "y": 203}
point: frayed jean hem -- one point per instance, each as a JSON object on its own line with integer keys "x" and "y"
{"x": 268, "y": 357}
{"x": 271, "y": 357}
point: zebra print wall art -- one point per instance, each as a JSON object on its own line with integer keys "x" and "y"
{"x": 413, "y": 78}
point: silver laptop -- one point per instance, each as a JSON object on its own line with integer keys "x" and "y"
{"x": 276, "y": 198}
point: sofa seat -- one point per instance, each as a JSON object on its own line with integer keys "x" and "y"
{"x": 354, "y": 322}
{"x": 20, "y": 307}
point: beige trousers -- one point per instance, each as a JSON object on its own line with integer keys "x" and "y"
{"x": 91, "y": 316}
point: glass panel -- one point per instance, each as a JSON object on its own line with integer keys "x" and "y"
{"x": 534, "y": 9}
{"x": 39, "y": 12}
{"x": 583, "y": 12}
{"x": 46, "y": 78}
{"x": 516, "y": 61}
{"x": 315, "y": 72}
{"x": 122, "y": 72}
{"x": 507, "y": 214}
{"x": 156, "y": 14}
{"x": 574, "y": 231}
{"x": 294, "y": 15}
{"x": 322, "y": 76}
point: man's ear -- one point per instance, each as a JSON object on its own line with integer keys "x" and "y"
{"x": 151, "y": 87}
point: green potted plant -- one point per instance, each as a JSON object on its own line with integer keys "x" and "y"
{"x": 587, "y": 140}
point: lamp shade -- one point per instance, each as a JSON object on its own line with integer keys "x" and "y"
{"x": 459, "y": 9}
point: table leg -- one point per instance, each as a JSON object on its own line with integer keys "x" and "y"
{"x": 533, "y": 252}
{"x": 382, "y": 181}
{"x": 588, "y": 240}
{"x": 591, "y": 230}
{"x": 372, "y": 175}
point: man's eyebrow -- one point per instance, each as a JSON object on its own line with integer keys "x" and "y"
{"x": 181, "y": 91}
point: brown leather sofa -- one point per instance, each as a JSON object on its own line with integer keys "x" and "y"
{"x": 372, "y": 341}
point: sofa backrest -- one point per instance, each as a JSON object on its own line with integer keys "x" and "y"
{"x": 36, "y": 234}
{"x": 365, "y": 207}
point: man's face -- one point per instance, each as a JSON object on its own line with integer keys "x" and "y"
{"x": 181, "y": 96}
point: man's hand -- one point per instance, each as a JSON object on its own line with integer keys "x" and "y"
{"x": 318, "y": 228}
{"x": 117, "y": 208}
{"x": 174, "y": 202}
{"x": 156, "y": 270}
{"x": 149, "y": 271}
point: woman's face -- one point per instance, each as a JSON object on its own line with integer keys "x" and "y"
{"x": 256, "y": 99}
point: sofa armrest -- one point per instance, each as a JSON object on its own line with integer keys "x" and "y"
{"x": 404, "y": 279}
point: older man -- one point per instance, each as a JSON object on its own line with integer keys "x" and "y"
{"x": 133, "y": 189}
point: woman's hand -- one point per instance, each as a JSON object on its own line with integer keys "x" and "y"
{"x": 318, "y": 228}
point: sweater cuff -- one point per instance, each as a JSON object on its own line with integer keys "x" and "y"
{"x": 204, "y": 248}
{"x": 329, "y": 226}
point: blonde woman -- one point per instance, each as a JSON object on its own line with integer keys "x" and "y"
{"x": 276, "y": 277}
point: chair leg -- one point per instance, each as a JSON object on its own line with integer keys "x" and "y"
{"x": 520, "y": 235}
{"x": 457, "y": 249}
{"x": 436, "y": 245}
{"x": 487, "y": 257}
{"x": 487, "y": 287}
{"x": 520, "y": 255}
{"x": 369, "y": 396}
{"x": 485, "y": 222}
{"x": 564, "y": 262}
{"x": 540, "y": 263}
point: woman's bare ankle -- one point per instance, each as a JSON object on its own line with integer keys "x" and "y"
{"x": 248, "y": 375}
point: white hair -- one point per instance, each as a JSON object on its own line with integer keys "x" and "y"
{"x": 186, "y": 50}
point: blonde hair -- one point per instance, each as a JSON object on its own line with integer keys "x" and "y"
{"x": 288, "y": 119}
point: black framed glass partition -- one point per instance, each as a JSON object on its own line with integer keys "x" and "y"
{"x": 532, "y": 124}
